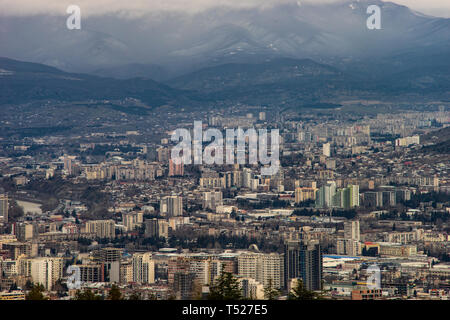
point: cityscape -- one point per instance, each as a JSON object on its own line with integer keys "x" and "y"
{"x": 346, "y": 196}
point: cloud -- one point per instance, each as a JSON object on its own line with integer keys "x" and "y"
{"x": 440, "y": 8}
{"x": 143, "y": 7}
{"x": 99, "y": 7}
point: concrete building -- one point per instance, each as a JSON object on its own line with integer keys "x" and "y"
{"x": 366, "y": 294}
{"x": 251, "y": 289}
{"x": 200, "y": 266}
{"x": 265, "y": 268}
{"x": 132, "y": 220}
{"x": 126, "y": 272}
{"x": 4, "y": 206}
{"x": 143, "y": 268}
{"x": 183, "y": 285}
{"x": 348, "y": 247}
{"x": 212, "y": 199}
{"x": 326, "y": 149}
{"x": 175, "y": 169}
{"x": 17, "y": 249}
{"x": 46, "y": 271}
{"x": 91, "y": 272}
{"x": 346, "y": 198}
{"x": 325, "y": 194}
{"x": 111, "y": 259}
{"x": 352, "y": 230}
{"x": 397, "y": 250}
{"x": 304, "y": 194}
{"x": 171, "y": 206}
{"x": 25, "y": 231}
{"x": 110, "y": 254}
{"x": 156, "y": 228}
{"x": 304, "y": 261}
{"x": 102, "y": 228}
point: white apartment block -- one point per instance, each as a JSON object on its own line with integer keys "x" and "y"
{"x": 143, "y": 268}
{"x": 102, "y": 228}
{"x": 262, "y": 267}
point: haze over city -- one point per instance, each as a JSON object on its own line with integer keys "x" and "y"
{"x": 252, "y": 152}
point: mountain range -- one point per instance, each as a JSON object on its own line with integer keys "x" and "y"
{"x": 22, "y": 82}
{"x": 173, "y": 44}
{"x": 288, "y": 51}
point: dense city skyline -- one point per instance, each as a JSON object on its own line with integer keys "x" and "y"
{"x": 211, "y": 152}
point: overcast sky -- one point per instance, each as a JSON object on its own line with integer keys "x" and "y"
{"x": 94, "y": 7}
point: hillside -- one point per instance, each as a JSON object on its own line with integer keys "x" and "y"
{"x": 24, "y": 82}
